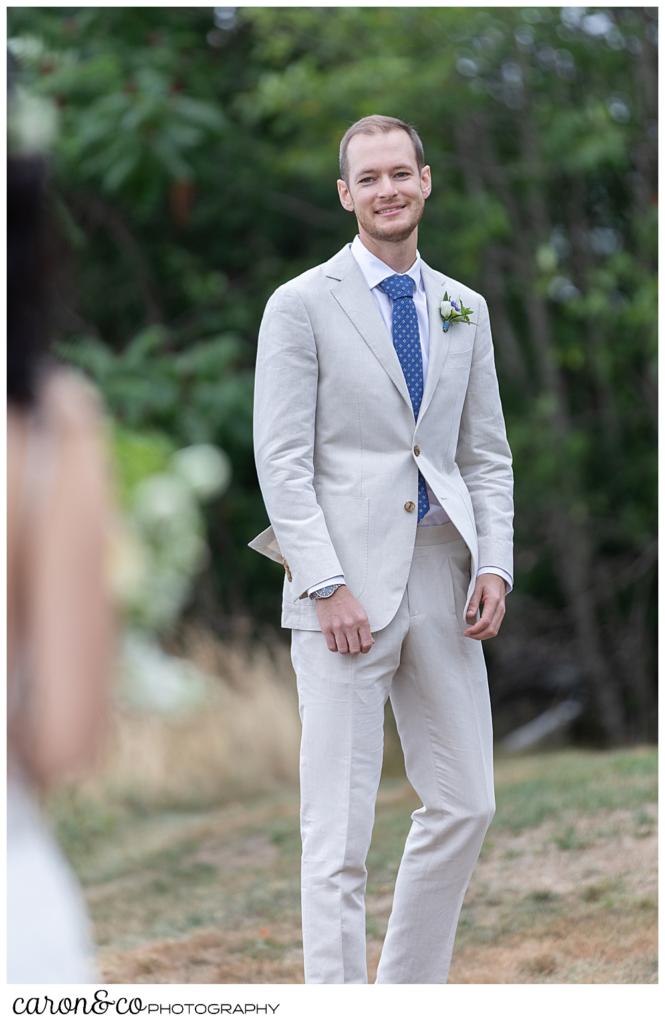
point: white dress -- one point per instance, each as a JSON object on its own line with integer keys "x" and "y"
{"x": 49, "y": 937}
{"x": 48, "y": 932}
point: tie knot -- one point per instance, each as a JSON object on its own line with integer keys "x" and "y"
{"x": 398, "y": 286}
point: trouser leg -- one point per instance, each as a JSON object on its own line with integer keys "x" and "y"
{"x": 341, "y": 701}
{"x": 441, "y": 704}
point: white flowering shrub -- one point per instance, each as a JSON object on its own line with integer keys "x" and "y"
{"x": 157, "y": 551}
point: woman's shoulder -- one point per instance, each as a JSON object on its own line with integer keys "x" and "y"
{"x": 69, "y": 403}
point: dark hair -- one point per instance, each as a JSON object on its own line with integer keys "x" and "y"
{"x": 372, "y": 125}
{"x": 28, "y": 276}
{"x": 35, "y": 254}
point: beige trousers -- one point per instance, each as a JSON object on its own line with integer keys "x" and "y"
{"x": 436, "y": 680}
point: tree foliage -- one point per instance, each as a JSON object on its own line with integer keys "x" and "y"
{"x": 195, "y": 168}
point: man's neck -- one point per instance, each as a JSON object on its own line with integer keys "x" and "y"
{"x": 399, "y": 256}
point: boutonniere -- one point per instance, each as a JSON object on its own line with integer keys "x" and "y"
{"x": 452, "y": 311}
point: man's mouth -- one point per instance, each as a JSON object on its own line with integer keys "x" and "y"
{"x": 389, "y": 211}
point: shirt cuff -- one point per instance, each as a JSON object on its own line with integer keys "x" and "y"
{"x": 324, "y": 583}
{"x": 498, "y": 572}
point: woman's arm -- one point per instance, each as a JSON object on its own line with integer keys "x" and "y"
{"x": 69, "y": 619}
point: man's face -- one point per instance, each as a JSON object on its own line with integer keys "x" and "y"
{"x": 385, "y": 189}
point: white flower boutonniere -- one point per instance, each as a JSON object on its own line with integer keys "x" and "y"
{"x": 452, "y": 311}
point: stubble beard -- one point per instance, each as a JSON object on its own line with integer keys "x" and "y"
{"x": 388, "y": 234}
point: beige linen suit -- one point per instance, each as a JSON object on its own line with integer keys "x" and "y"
{"x": 338, "y": 452}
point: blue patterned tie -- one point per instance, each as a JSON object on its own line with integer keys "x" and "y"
{"x": 406, "y": 339}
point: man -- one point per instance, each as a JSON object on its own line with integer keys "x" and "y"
{"x": 383, "y": 463}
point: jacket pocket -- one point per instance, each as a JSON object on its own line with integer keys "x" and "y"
{"x": 459, "y": 568}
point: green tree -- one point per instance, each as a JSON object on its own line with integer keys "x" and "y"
{"x": 195, "y": 167}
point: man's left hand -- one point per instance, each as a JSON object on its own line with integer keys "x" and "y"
{"x": 490, "y": 596}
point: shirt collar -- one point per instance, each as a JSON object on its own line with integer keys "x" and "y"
{"x": 375, "y": 270}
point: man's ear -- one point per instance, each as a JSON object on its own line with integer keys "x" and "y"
{"x": 344, "y": 195}
{"x": 426, "y": 180}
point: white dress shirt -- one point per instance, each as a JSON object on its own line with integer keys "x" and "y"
{"x": 375, "y": 271}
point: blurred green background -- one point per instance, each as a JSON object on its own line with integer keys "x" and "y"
{"x": 194, "y": 168}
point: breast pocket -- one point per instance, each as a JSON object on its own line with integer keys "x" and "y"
{"x": 459, "y": 357}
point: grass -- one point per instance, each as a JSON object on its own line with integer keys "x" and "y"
{"x": 564, "y": 891}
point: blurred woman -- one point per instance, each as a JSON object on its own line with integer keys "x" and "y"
{"x": 60, "y": 621}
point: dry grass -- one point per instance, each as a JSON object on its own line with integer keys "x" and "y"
{"x": 212, "y": 896}
{"x": 242, "y": 740}
{"x": 188, "y": 847}
{"x": 534, "y": 913}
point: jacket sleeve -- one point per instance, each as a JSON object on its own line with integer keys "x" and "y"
{"x": 483, "y": 455}
{"x": 285, "y": 392}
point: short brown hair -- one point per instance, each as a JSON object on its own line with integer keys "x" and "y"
{"x": 372, "y": 125}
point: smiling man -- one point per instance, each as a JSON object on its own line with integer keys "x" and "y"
{"x": 383, "y": 462}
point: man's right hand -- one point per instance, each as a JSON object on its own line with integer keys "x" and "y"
{"x": 344, "y": 623}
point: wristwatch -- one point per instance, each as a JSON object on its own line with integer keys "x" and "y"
{"x": 324, "y": 592}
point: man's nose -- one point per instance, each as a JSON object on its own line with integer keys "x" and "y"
{"x": 386, "y": 186}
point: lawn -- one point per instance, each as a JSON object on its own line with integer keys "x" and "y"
{"x": 565, "y": 890}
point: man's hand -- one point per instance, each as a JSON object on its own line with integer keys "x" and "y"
{"x": 344, "y": 623}
{"x": 490, "y": 596}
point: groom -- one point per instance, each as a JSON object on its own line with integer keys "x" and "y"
{"x": 384, "y": 466}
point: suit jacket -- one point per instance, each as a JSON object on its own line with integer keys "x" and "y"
{"x": 338, "y": 451}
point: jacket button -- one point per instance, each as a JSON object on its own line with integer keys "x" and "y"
{"x": 409, "y": 506}
{"x": 416, "y": 450}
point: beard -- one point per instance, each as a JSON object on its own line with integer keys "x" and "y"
{"x": 392, "y": 232}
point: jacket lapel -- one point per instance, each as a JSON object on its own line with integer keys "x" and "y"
{"x": 439, "y": 340}
{"x": 355, "y": 298}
